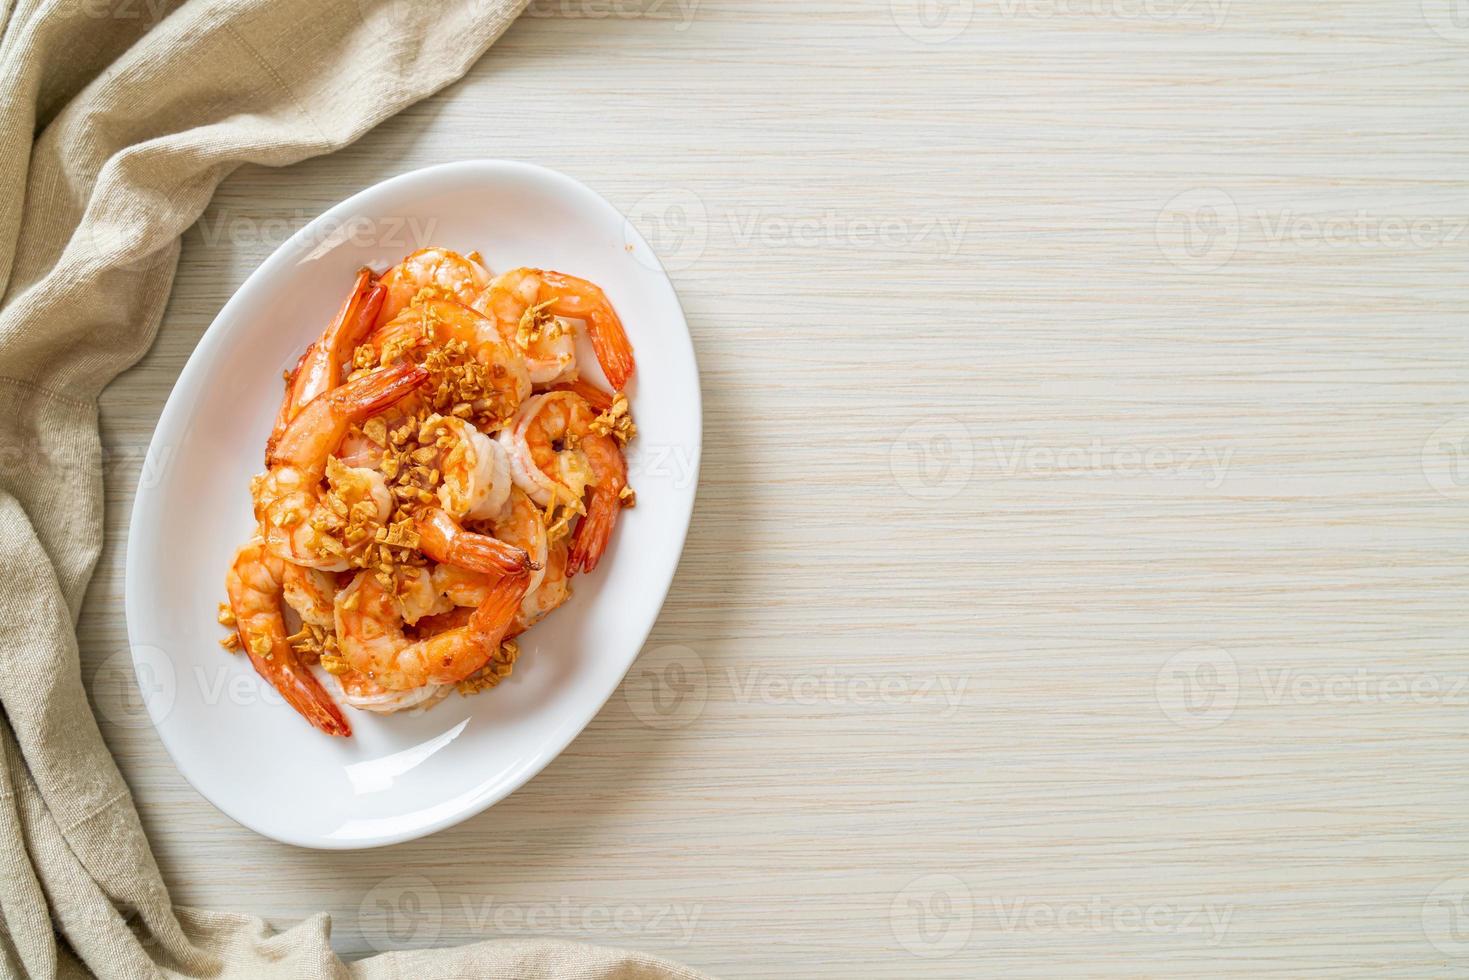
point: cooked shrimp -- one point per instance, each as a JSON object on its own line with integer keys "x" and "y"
{"x": 467, "y": 589}
{"x": 419, "y": 603}
{"x": 311, "y": 592}
{"x": 303, "y": 525}
{"x": 525, "y": 302}
{"x": 555, "y": 455}
{"x": 320, "y": 368}
{"x": 438, "y": 441}
{"x": 297, "y": 518}
{"x": 254, "y": 585}
{"x": 547, "y": 343}
{"x": 521, "y": 526}
{"x": 373, "y": 640}
{"x": 473, "y": 468}
{"x": 499, "y": 381}
{"x": 359, "y": 691}
{"x": 431, "y": 273}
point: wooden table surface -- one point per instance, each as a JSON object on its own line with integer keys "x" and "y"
{"x": 1077, "y": 582}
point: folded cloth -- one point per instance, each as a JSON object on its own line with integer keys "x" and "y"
{"x": 118, "y": 118}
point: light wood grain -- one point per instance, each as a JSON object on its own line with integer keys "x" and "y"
{"x": 981, "y": 428}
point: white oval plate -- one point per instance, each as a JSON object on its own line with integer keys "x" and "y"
{"x": 406, "y": 775}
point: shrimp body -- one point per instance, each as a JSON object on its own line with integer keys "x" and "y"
{"x": 311, "y": 592}
{"x": 375, "y": 643}
{"x": 547, "y": 461}
{"x": 556, "y": 455}
{"x": 431, "y": 272}
{"x": 418, "y": 603}
{"x": 523, "y": 526}
{"x": 288, "y": 497}
{"x": 500, "y": 379}
{"x": 548, "y": 344}
{"x": 521, "y": 302}
{"x": 474, "y": 469}
{"x": 254, "y": 585}
{"x": 467, "y": 589}
{"x": 298, "y": 521}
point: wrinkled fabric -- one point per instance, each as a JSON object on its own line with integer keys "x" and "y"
{"x": 118, "y": 119}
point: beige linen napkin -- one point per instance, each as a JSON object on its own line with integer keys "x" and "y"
{"x": 118, "y": 118}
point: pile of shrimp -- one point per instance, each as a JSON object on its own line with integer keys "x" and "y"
{"x": 437, "y": 474}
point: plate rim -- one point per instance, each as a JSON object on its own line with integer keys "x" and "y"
{"x": 287, "y": 253}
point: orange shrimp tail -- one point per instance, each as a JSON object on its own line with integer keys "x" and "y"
{"x": 443, "y": 540}
{"x": 345, "y": 322}
{"x": 374, "y": 392}
{"x": 354, "y": 401}
{"x": 609, "y": 339}
{"x": 597, "y": 398}
{"x": 613, "y": 349}
{"x": 304, "y": 692}
{"x": 593, "y": 533}
{"x": 289, "y": 406}
{"x": 319, "y": 368}
{"x": 495, "y": 614}
{"x": 616, "y": 360}
{"x": 455, "y": 654}
{"x": 355, "y": 324}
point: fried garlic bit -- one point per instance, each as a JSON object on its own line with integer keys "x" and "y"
{"x": 538, "y": 324}
{"x": 431, "y": 292}
{"x": 496, "y": 670}
{"x": 226, "y": 618}
{"x": 616, "y": 421}
{"x": 558, "y": 518}
{"x": 313, "y": 643}
{"x": 335, "y": 663}
{"x": 461, "y": 385}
